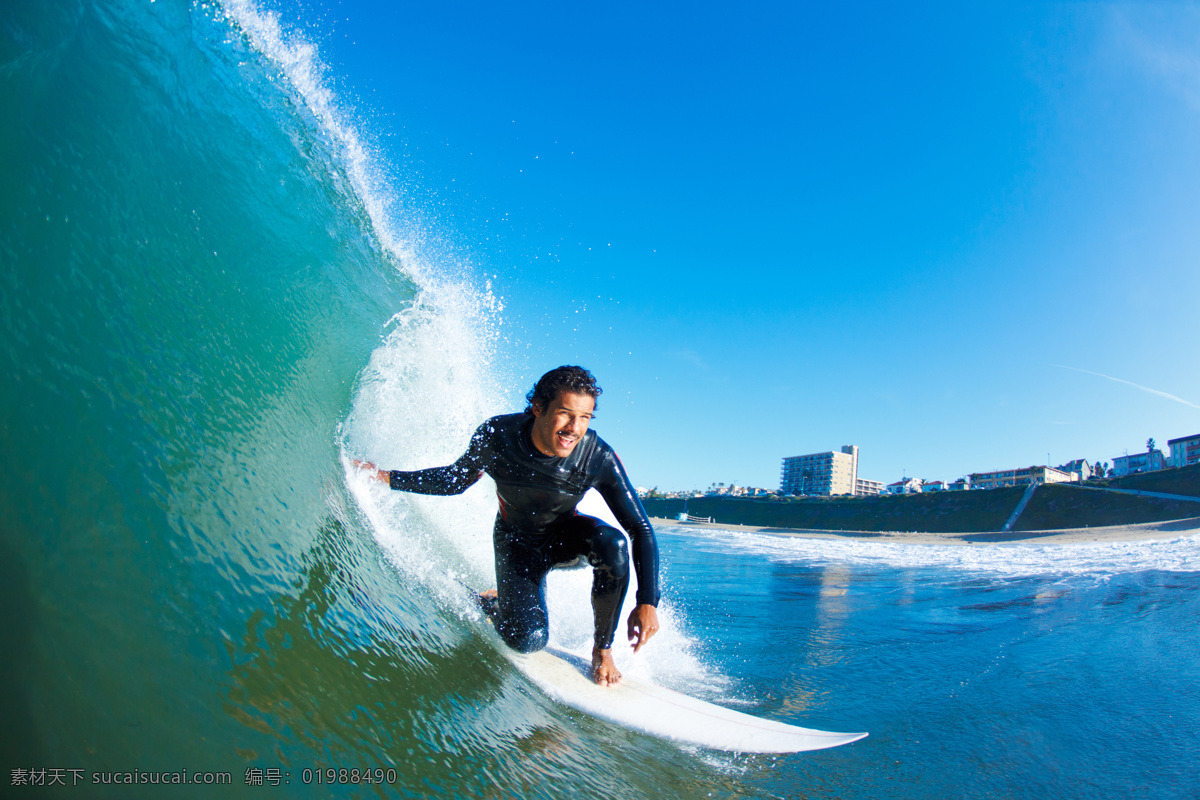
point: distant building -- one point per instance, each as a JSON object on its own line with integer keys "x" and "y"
{"x": 959, "y": 485}
{"x": 746, "y": 491}
{"x": 934, "y": 486}
{"x": 866, "y": 488}
{"x": 905, "y": 486}
{"x": 1185, "y": 451}
{"x": 821, "y": 473}
{"x": 1020, "y": 477}
{"x": 1149, "y": 461}
{"x": 1080, "y": 467}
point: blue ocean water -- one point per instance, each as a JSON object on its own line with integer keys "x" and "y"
{"x": 998, "y": 671}
{"x": 214, "y": 291}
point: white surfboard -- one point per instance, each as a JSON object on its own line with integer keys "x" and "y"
{"x": 655, "y": 710}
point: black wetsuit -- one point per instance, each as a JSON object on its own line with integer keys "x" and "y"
{"x": 538, "y": 528}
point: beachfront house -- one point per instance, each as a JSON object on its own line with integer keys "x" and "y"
{"x": 1080, "y": 467}
{"x": 905, "y": 486}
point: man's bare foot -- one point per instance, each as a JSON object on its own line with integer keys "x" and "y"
{"x": 604, "y": 669}
{"x": 489, "y": 602}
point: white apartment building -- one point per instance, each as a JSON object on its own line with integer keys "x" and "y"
{"x": 866, "y": 488}
{"x": 1021, "y": 477}
{"x": 821, "y": 473}
{"x": 1148, "y": 461}
{"x": 1185, "y": 450}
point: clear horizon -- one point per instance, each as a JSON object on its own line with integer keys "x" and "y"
{"x": 961, "y": 238}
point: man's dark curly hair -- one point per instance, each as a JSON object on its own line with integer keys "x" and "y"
{"x": 560, "y": 379}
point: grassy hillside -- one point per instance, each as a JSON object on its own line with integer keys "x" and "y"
{"x": 1183, "y": 480}
{"x": 947, "y": 512}
{"x": 1067, "y": 506}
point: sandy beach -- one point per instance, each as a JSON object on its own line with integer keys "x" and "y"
{"x": 1117, "y": 533}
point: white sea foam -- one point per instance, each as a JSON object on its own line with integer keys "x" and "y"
{"x": 1004, "y": 559}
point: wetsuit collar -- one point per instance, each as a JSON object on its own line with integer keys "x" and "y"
{"x": 527, "y": 439}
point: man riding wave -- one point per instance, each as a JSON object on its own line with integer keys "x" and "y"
{"x": 543, "y": 461}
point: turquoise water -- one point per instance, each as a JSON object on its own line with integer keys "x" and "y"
{"x": 214, "y": 292}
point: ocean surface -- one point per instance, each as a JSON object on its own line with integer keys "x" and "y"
{"x": 215, "y": 291}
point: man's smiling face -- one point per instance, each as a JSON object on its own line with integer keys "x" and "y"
{"x": 559, "y": 427}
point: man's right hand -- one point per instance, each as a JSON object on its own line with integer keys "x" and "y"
{"x": 643, "y": 623}
{"x": 381, "y": 475}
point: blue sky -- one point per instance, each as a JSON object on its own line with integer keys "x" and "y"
{"x": 962, "y": 238}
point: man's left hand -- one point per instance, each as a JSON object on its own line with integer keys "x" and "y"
{"x": 643, "y": 623}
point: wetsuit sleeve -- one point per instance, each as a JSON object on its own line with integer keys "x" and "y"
{"x": 453, "y": 479}
{"x": 614, "y": 486}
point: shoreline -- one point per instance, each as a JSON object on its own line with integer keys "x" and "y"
{"x": 1148, "y": 531}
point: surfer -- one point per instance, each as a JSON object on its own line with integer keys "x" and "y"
{"x": 543, "y": 461}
